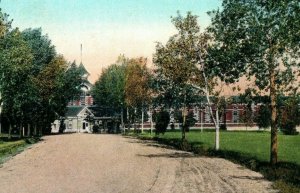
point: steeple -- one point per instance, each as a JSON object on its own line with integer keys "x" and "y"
{"x": 80, "y": 53}
{"x": 84, "y": 72}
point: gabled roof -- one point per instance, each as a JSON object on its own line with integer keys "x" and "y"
{"x": 73, "y": 111}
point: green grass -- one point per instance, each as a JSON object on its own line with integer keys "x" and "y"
{"x": 253, "y": 144}
{"x": 12, "y": 147}
{"x": 249, "y": 148}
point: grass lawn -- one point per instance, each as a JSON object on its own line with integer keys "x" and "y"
{"x": 13, "y": 147}
{"x": 249, "y": 148}
{"x": 253, "y": 144}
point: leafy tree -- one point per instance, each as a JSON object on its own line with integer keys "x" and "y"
{"x": 49, "y": 92}
{"x": 44, "y": 109}
{"x": 35, "y": 83}
{"x": 15, "y": 77}
{"x": 5, "y": 24}
{"x": 41, "y": 48}
{"x": 176, "y": 63}
{"x": 69, "y": 86}
{"x": 263, "y": 118}
{"x": 189, "y": 122}
{"x": 109, "y": 89}
{"x": 260, "y": 39}
{"x": 137, "y": 92}
{"x": 162, "y": 119}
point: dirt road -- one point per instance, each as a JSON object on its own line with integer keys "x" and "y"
{"x": 87, "y": 163}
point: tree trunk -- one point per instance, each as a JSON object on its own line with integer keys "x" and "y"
{"x": 142, "y": 120}
{"x": 217, "y": 139}
{"x": 151, "y": 121}
{"x": 9, "y": 131}
{"x": 122, "y": 119}
{"x": 28, "y": 130}
{"x": 21, "y": 130}
{"x": 183, "y": 123}
{"x": 184, "y": 118}
{"x": 201, "y": 118}
{"x": 216, "y": 120}
{"x": 35, "y": 131}
{"x": 225, "y": 118}
{"x": 274, "y": 145}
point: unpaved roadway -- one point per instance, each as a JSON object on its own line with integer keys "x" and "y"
{"x": 87, "y": 163}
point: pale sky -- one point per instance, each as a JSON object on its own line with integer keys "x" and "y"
{"x": 106, "y": 28}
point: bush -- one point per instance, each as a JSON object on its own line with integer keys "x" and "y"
{"x": 223, "y": 127}
{"x": 189, "y": 122}
{"x": 172, "y": 127}
{"x": 62, "y": 126}
{"x": 96, "y": 128}
{"x": 162, "y": 120}
{"x": 289, "y": 118}
{"x": 288, "y": 128}
{"x": 263, "y": 118}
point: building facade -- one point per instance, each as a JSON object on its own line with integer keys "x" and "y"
{"x": 78, "y": 110}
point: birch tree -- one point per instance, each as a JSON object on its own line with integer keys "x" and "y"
{"x": 260, "y": 40}
{"x": 185, "y": 62}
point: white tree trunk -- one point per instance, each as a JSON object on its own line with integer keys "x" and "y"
{"x": 151, "y": 122}
{"x": 201, "y": 120}
{"x": 215, "y": 119}
{"x": 217, "y": 140}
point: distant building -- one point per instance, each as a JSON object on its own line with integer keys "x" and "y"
{"x": 75, "y": 119}
{"x": 85, "y": 98}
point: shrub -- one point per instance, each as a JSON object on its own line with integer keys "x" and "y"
{"x": 162, "y": 120}
{"x": 223, "y": 127}
{"x": 96, "y": 128}
{"x": 263, "y": 118}
{"x": 189, "y": 122}
{"x": 289, "y": 118}
{"x": 288, "y": 127}
{"x": 62, "y": 126}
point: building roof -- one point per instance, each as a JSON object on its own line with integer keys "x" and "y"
{"x": 83, "y": 69}
{"x": 73, "y": 111}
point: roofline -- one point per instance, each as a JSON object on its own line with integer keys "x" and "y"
{"x": 85, "y": 107}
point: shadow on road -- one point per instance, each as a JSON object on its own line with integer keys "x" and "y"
{"x": 169, "y": 155}
{"x": 255, "y": 178}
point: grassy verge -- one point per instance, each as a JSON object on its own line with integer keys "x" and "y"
{"x": 250, "y": 149}
{"x": 9, "y": 148}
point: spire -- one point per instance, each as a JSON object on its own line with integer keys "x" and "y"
{"x": 81, "y": 53}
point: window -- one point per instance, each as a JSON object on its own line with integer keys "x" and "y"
{"x": 235, "y": 115}
{"x": 82, "y": 100}
{"x": 70, "y": 124}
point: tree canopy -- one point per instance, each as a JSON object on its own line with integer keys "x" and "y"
{"x": 35, "y": 82}
{"x": 260, "y": 39}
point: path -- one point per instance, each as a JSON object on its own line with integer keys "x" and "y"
{"x": 87, "y": 163}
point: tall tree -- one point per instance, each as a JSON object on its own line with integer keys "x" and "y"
{"x": 15, "y": 68}
{"x": 137, "y": 92}
{"x": 5, "y": 23}
{"x": 42, "y": 49}
{"x": 50, "y": 94}
{"x": 176, "y": 62}
{"x": 108, "y": 90}
{"x": 260, "y": 39}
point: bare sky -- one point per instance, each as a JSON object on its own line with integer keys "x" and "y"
{"x": 106, "y": 28}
